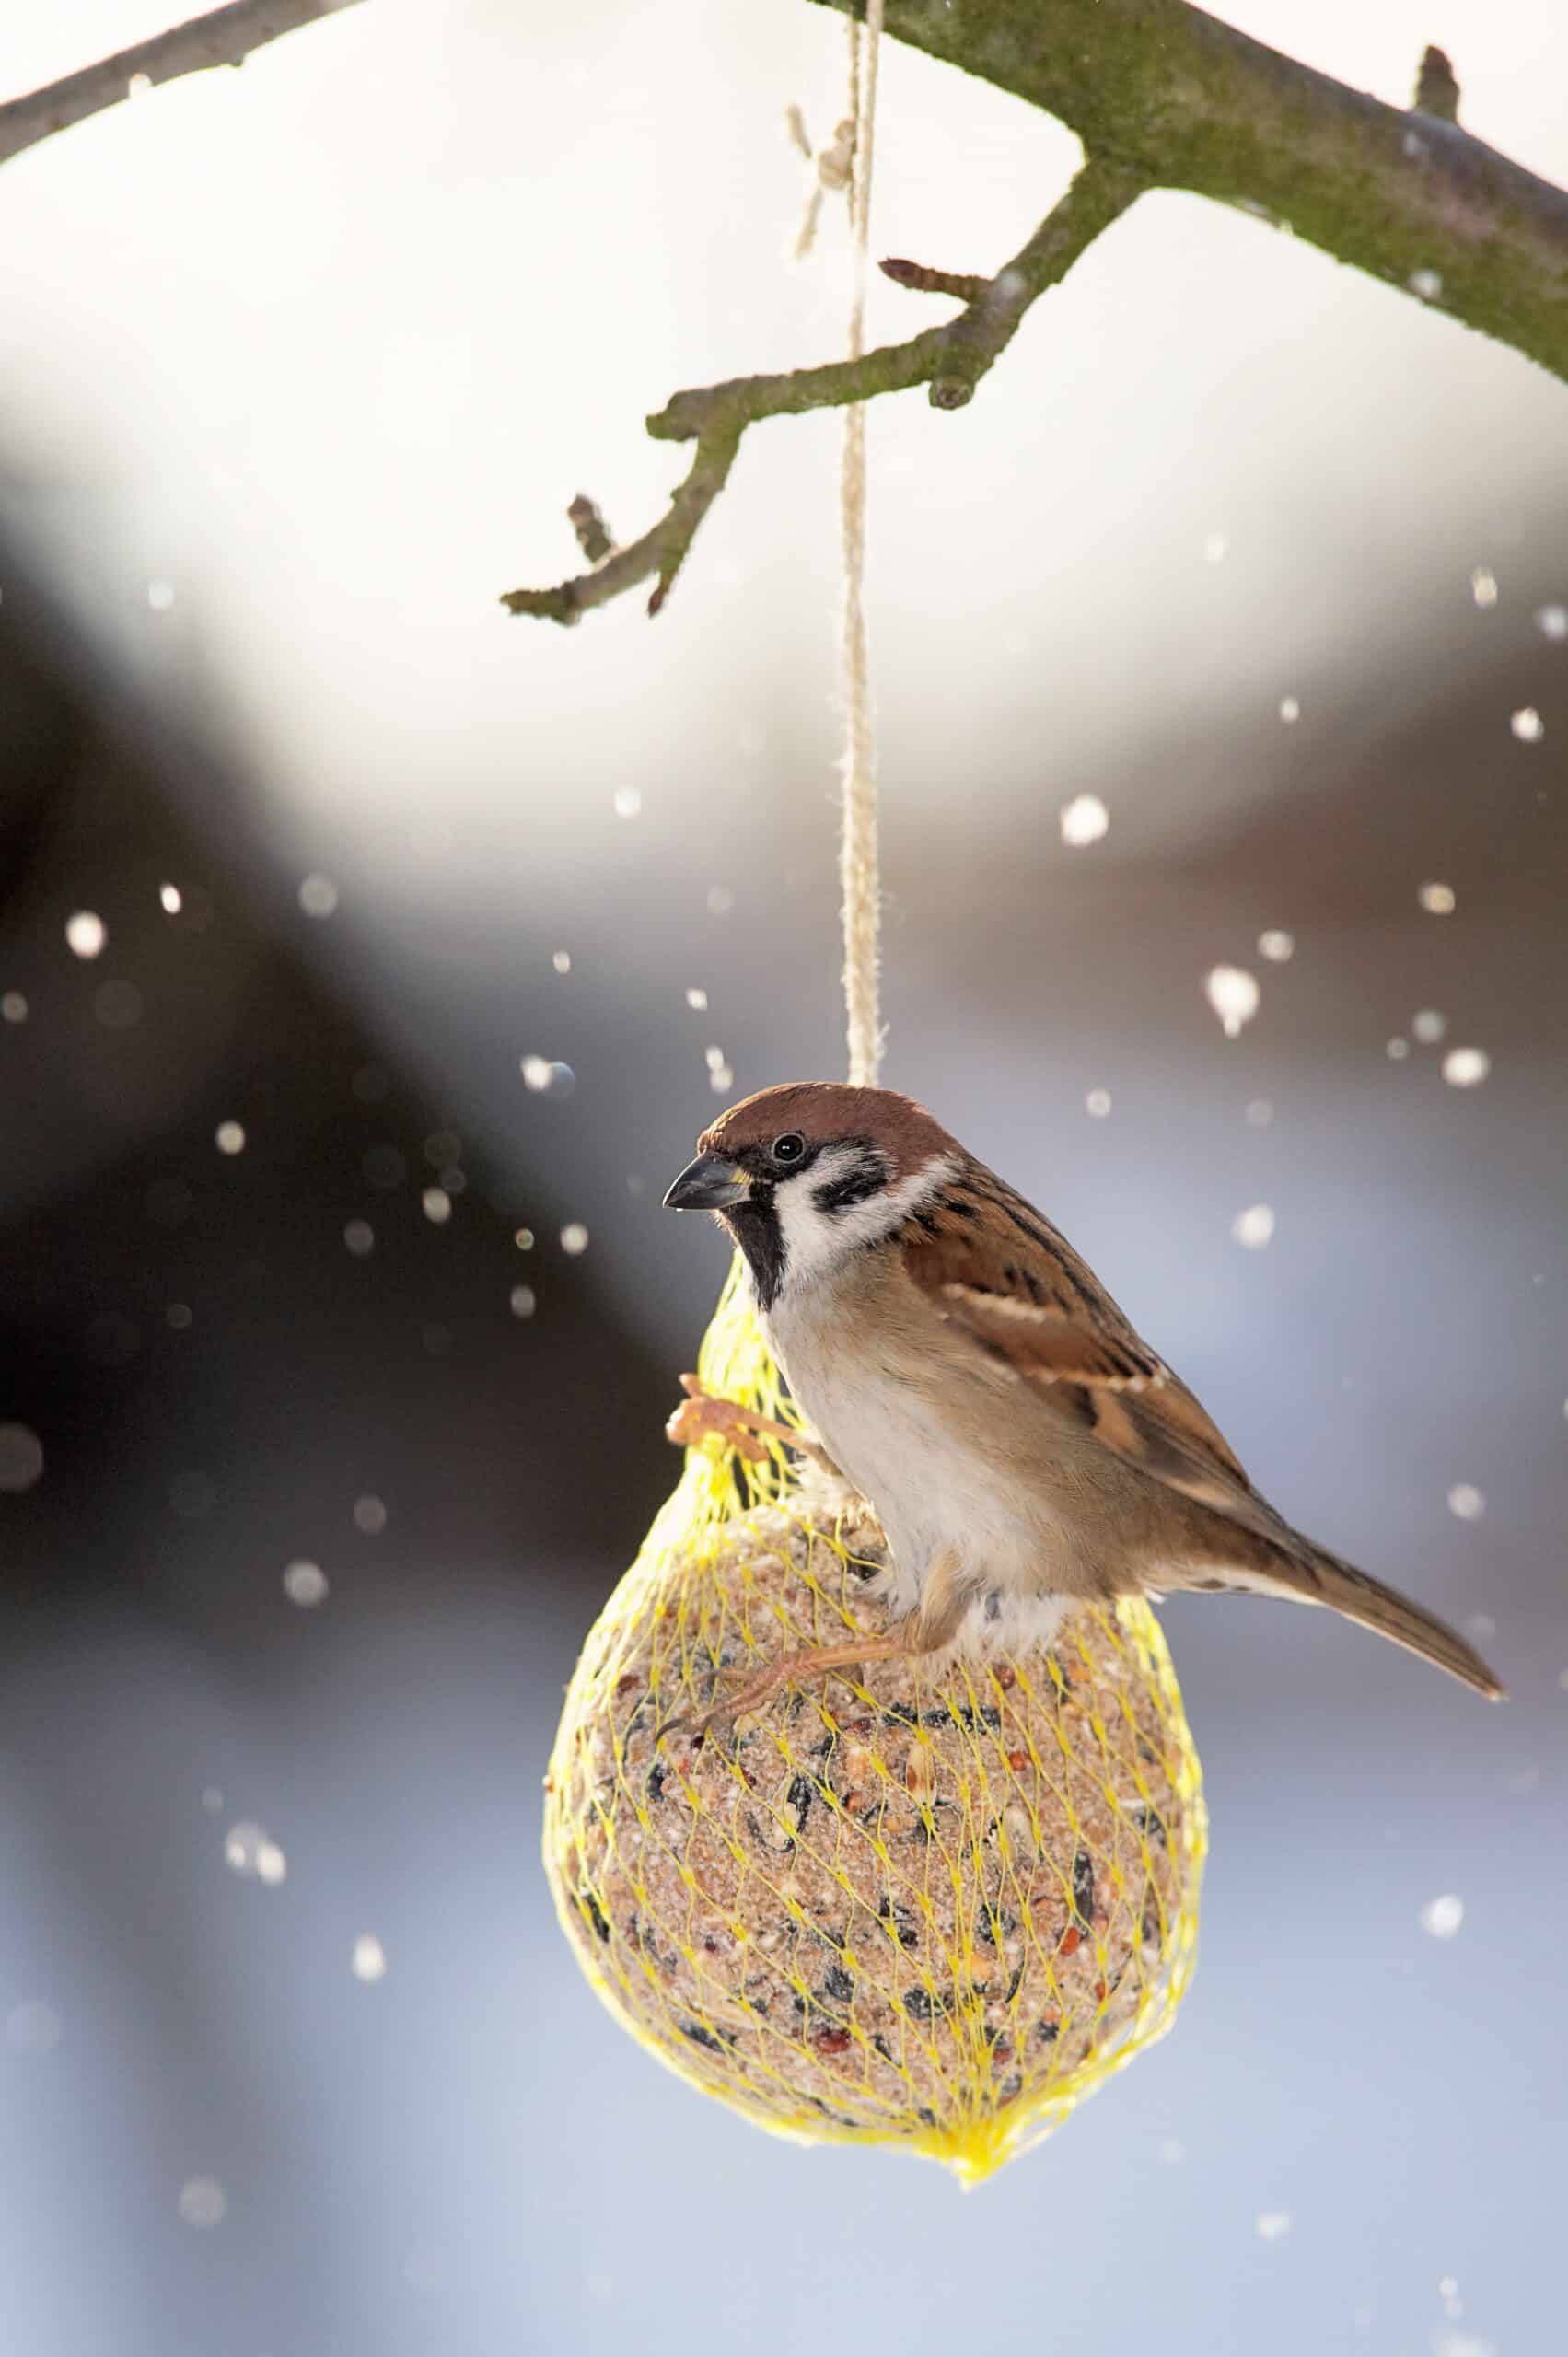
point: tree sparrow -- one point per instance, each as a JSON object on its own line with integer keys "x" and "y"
{"x": 1021, "y": 1445}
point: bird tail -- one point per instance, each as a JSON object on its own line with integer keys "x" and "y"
{"x": 1309, "y": 1575}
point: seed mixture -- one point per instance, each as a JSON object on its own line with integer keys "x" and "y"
{"x": 932, "y": 1905}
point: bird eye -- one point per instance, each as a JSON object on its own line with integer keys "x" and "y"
{"x": 789, "y": 1148}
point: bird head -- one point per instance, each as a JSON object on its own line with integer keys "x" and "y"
{"x": 807, "y": 1173}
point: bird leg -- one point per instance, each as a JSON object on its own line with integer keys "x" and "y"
{"x": 933, "y": 1623}
{"x": 699, "y": 1415}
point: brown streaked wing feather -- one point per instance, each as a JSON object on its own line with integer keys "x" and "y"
{"x": 994, "y": 1266}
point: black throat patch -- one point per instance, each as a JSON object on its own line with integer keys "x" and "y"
{"x": 755, "y": 1228}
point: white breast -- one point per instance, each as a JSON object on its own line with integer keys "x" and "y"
{"x": 934, "y": 1493}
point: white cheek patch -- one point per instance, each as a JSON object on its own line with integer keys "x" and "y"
{"x": 816, "y": 1240}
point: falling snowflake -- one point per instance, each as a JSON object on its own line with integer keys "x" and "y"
{"x": 1085, "y": 819}
{"x": 1233, "y": 995}
{"x": 243, "y": 1845}
{"x": 1438, "y": 899}
{"x": 86, "y": 934}
{"x": 1253, "y": 1227}
{"x": 1276, "y": 946}
{"x": 305, "y": 1583}
{"x": 1527, "y": 725}
{"x": 1466, "y": 1067}
{"x": 1467, "y": 1501}
{"x": 368, "y": 1961}
{"x": 203, "y": 2201}
{"x": 1441, "y": 1917}
{"x": 546, "y": 1077}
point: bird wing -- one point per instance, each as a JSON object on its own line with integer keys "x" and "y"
{"x": 997, "y": 1270}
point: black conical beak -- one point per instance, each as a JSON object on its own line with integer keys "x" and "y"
{"x": 709, "y": 1184}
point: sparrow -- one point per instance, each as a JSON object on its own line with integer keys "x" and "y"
{"x": 962, "y": 1366}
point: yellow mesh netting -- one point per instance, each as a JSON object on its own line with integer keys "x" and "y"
{"x": 930, "y": 1907}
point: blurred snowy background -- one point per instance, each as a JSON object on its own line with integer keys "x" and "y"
{"x": 299, "y": 367}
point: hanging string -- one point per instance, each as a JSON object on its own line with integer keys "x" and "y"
{"x": 859, "y": 872}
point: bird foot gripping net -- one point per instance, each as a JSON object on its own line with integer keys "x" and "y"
{"x": 918, "y": 1905}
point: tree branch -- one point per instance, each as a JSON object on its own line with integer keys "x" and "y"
{"x": 1163, "y": 96}
{"x": 223, "y": 37}
{"x": 950, "y": 360}
{"x": 1192, "y": 104}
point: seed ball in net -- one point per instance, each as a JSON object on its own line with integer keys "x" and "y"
{"x": 931, "y": 1906}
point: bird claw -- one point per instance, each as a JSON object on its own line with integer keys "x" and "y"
{"x": 701, "y": 1417}
{"x": 717, "y": 1724}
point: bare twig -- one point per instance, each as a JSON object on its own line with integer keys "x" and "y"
{"x": 923, "y": 280}
{"x": 659, "y": 552}
{"x": 594, "y": 536}
{"x": 1436, "y": 90}
{"x": 223, "y": 37}
{"x": 950, "y": 361}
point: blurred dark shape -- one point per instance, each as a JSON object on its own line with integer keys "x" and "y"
{"x": 213, "y": 1372}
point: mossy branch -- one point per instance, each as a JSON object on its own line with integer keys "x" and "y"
{"x": 1192, "y": 104}
{"x": 1163, "y": 96}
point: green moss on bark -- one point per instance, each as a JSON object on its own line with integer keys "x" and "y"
{"x": 1187, "y": 102}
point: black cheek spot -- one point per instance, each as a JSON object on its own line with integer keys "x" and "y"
{"x": 868, "y": 1177}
